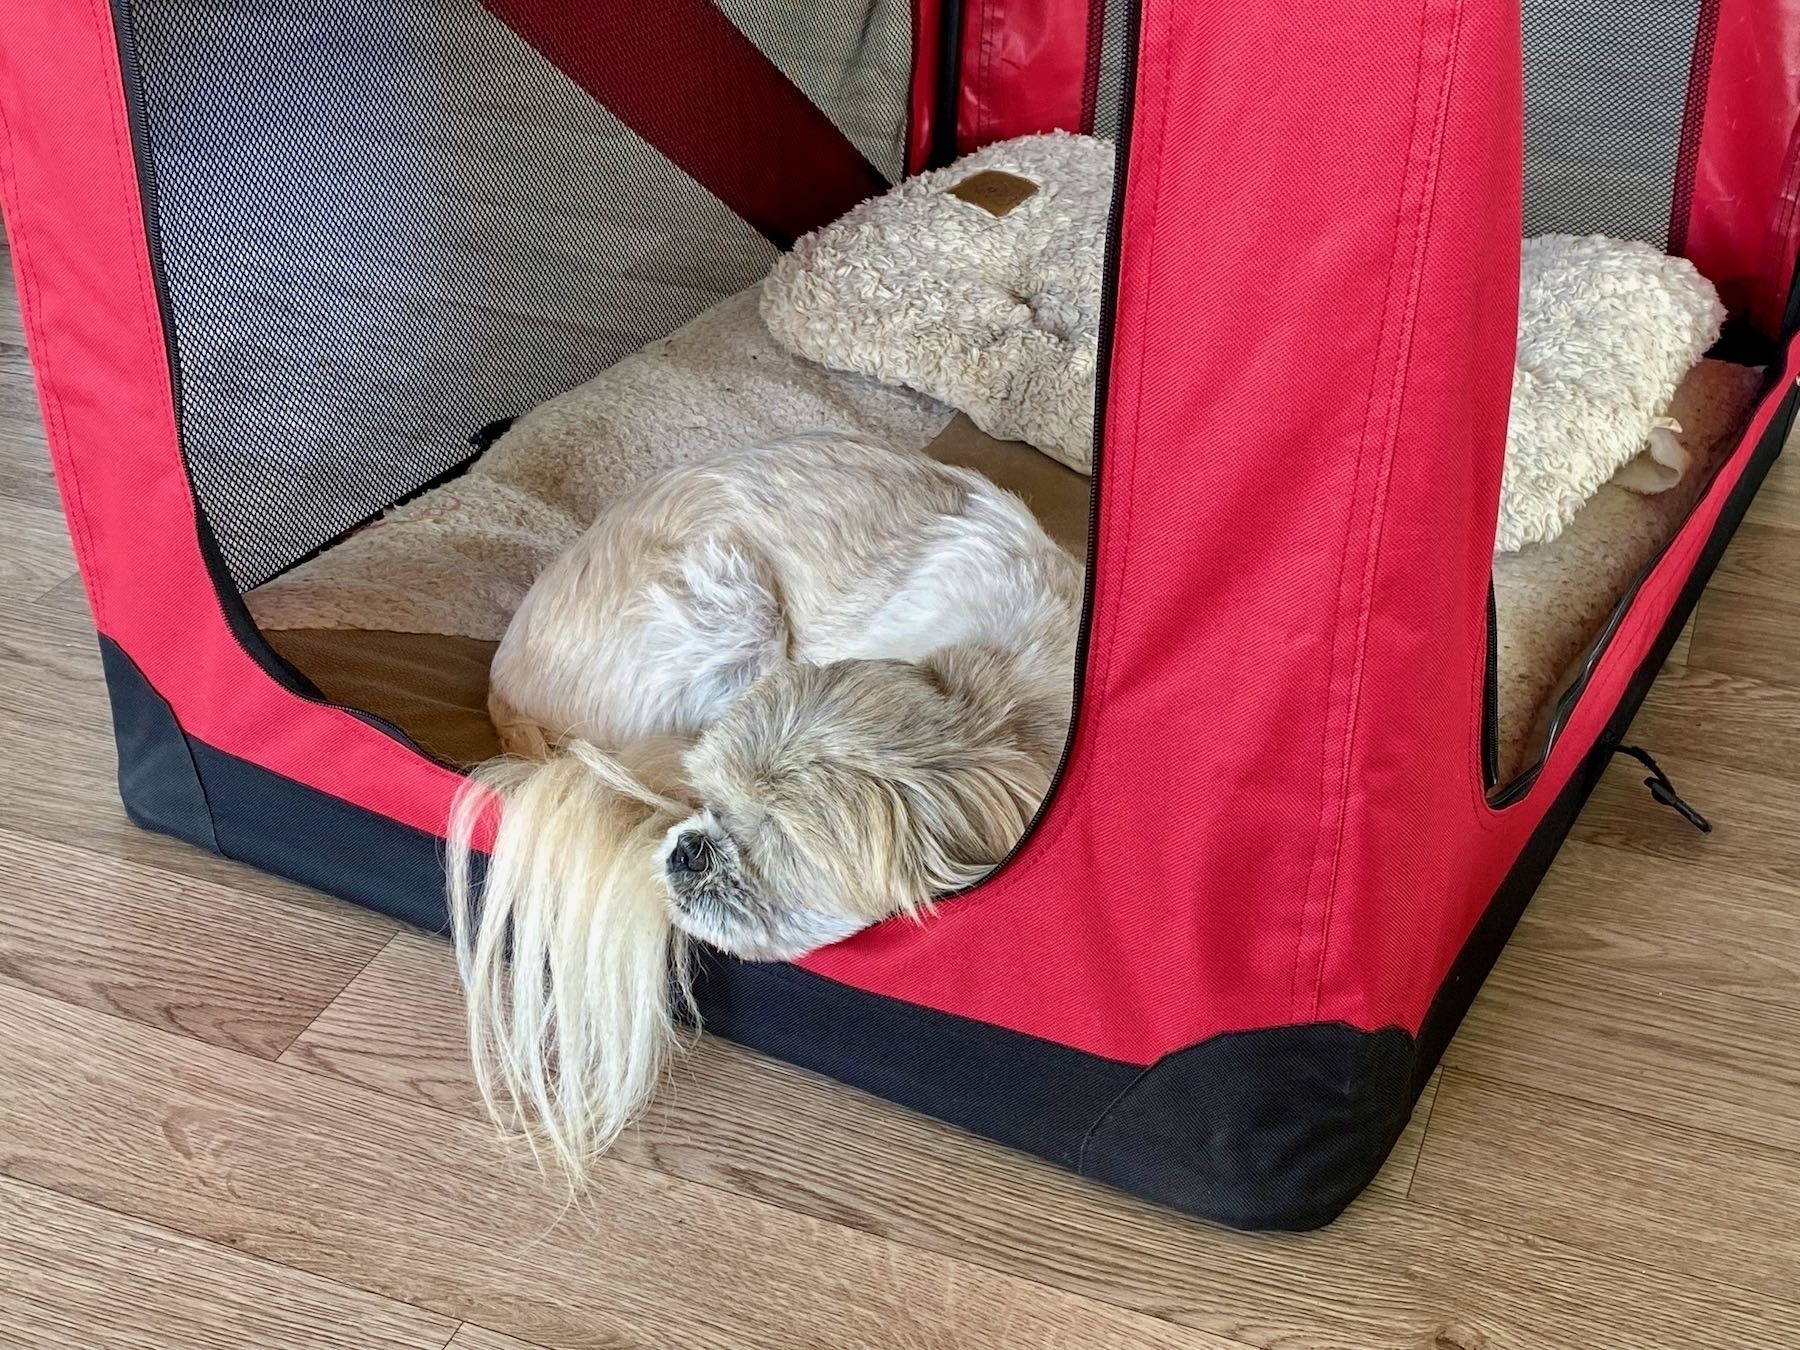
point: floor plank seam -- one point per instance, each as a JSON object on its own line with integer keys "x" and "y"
{"x": 945, "y": 1252}
{"x": 44, "y": 594}
{"x": 1412, "y": 1175}
{"x": 1574, "y": 967}
{"x": 1671, "y": 1273}
{"x": 901, "y": 1245}
{"x": 361, "y": 970}
{"x": 225, "y": 1250}
{"x": 1723, "y": 1138}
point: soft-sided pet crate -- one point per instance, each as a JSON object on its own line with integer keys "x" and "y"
{"x": 277, "y": 261}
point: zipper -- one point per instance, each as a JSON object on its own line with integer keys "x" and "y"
{"x": 948, "y": 94}
{"x": 1490, "y": 697}
{"x": 1109, "y": 294}
{"x": 1663, "y": 790}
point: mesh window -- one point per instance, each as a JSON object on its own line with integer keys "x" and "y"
{"x": 852, "y": 58}
{"x": 1605, "y": 85}
{"x": 386, "y": 223}
{"x": 1115, "y": 57}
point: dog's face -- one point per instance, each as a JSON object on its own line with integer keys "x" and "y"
{"x": 835, "y": 796}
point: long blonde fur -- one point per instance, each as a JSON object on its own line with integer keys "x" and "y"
{"x": 573, "y": 974}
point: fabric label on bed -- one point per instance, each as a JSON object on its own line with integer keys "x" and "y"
{"x": 994, "y": 191}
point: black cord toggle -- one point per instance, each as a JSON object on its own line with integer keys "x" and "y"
{"x": 1663, "y": 790}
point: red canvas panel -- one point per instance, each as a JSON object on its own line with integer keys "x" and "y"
{"x": 94, "y": 329}
{"x": 682, "y": 76}
{"x": 1273, "y": 811}
{"x": 1025, "y": 68}
{"x": 921, "y": 99}
{"x": 1279, "y": 744}
{"x": 1737, "y": 204}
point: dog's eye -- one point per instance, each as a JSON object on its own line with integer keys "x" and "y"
{"x": 693, "y": 852}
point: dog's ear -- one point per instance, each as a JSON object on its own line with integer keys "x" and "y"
{"x": 984, "y": 681}
{"x": 978, "y": 792}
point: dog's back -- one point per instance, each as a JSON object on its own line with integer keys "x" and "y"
{"x": 815, "y": 549}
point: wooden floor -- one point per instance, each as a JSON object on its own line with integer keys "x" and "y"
{"x": 234, "y": 1113}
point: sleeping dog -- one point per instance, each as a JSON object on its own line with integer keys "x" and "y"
{"x": 766, "y": 700}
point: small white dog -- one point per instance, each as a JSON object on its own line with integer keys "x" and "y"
{"x": 766, "y": 700}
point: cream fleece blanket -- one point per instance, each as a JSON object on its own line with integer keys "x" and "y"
{"x": 1607, "y": 329}
{"x": 978, "y": 284}
{"x": 458, "y": 560}
{"x": 1553, "y": 598}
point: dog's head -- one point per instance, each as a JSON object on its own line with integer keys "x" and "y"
{"x": 835, "y": 796}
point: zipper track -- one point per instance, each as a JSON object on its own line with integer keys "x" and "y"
{"x": 1490, "y": 696}
{"x": 948, "y": 93}
{"x": 1109, "y": 294}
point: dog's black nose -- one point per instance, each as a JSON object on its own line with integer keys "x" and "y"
{"x": 693, "y": 852}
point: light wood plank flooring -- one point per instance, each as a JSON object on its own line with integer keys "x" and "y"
{"x": 234, "y": 1113}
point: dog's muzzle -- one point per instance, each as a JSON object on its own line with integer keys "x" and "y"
{"x": 691, "y": 855}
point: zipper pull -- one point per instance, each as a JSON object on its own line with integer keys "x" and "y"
{"x": 1663, "y": 790}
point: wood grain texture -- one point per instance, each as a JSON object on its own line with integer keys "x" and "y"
{"x": 1663, "y": 922}
{"x": 1754, "y": 818}
{"x": 1676, "y": 1198}
{"x": 426, "y": 1208}
{"x": 1763, "y": 559}
{"x": 76, "y": 1277}
{"x": 471, "y": 1337}
{"x": 1703, "y": 714}
{"x": 425, "y": 1060}
{"x": 68, "y": 598}
{"x": 1742, "y": 633}
{"x": 1643, "y": 1047}
{"x": 1389, "y": 1273}
{"x": 120, "y": 937}
{"x": 1778, "y": 503}
{"x": 58, "y": 783}
{"x": 34, "y": 549}
{"x": 49, "y": 663}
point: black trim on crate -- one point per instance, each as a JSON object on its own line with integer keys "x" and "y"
{"x": 1018, "y": 1090}
{"x": 1502, "y": 914}
{"x": 297, "y": 832}
{"x": 159, "y": 782}
{"x": 1276, "y": 1129}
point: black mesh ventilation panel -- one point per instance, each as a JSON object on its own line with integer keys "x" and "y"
{"x": 382, "y": 226}
{"x": 1116, "y": 37}
{"x": 1605, "y": 87}
{"x": 852, "y": 58}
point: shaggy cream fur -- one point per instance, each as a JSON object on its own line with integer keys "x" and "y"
{"x": 997, "y": 315}
{"x": 767, "y": 699}
{"x": 1607, "y": 330}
